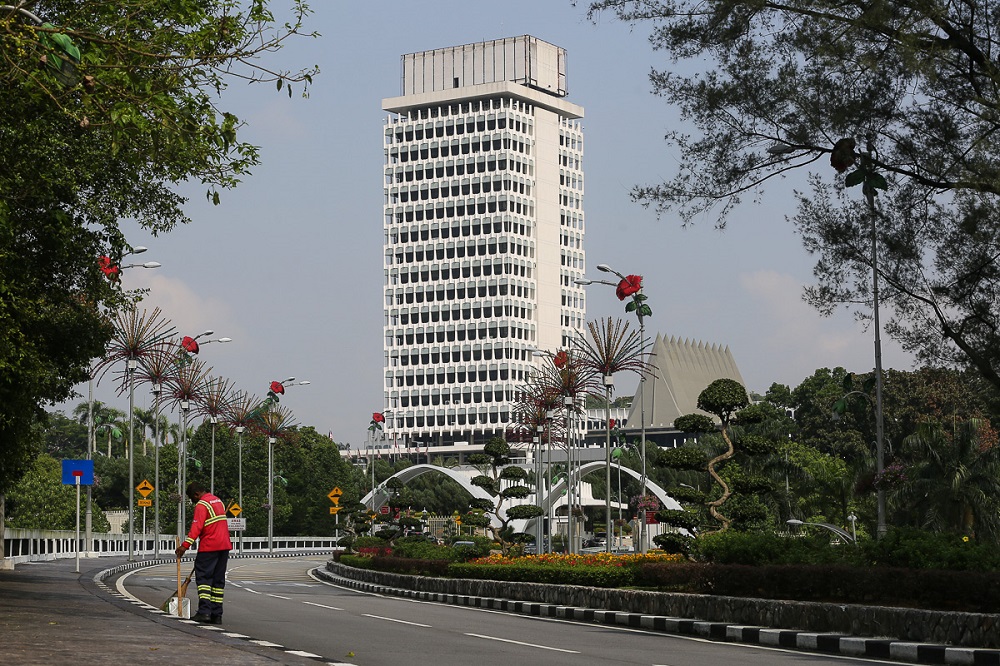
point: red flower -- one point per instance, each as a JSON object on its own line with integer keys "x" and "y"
{"x": 278, "y": 387}
{"x": 110, "y": 269}
{"x": 842, "y": 156}
{"x": 611, "y": 423}
{"x": 190, "y": 344}
{"x": 377, "y": 417}
{"x": 561, "y": 359}
{"x": 630, "y": 285}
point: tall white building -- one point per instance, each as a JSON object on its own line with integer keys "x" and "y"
{"x": 484, "y": 232}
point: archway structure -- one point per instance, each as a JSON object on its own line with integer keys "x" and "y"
{"x": 548, "y": 500}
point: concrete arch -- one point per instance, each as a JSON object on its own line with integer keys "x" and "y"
{"x": 410, "y": 473}
{"x": 548, "y": 500}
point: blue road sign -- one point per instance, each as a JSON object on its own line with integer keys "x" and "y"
{"x": 74, "y": 468}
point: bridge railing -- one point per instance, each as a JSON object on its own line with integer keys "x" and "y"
{"x": 22, "y": 545}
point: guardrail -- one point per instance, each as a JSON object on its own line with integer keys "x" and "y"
{"x": 21, "y": 545}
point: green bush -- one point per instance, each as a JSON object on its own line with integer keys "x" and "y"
{"x": 593, "y": 576}
{"x": 418, "y": 547}
{"x": 919, "y": 549}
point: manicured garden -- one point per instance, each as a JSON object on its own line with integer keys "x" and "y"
{"x": 908, "y": 568}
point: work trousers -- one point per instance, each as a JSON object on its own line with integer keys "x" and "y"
{"x": 210, "y": 574}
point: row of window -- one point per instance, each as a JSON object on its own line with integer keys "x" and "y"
{"x": 418, "y": 154}
{"x": 488, "y": 164}
{"x": 455, "y": 376}
{"x": 434, "y": 316}
{"x": 472, "y": 106}
{"x": 475, "y": 398}
{"x": 420, "y": 336}
{"x": 440, "y": 420}
{"x": 459, "y": 127}
{"x": 472, "y": 248}
{"x": 570, "y": 161}
{"x": 513, "y": 332}
{"x": 452, "y": 292}
{"x": 572, "y": 141}
{"x": 464, "y": 228}
{"x": 486, "y": 270}
{"x": 451, "y": 210}
{"x": 450, "y": 295}
{"x": 437, "y": 355}
{"x": 456, "y": 355}
{"x": 571, "y": 219}
{"x": 454, "y": 189}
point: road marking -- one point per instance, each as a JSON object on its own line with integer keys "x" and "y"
{"x": 278, "y": 596}
{"x": 301, "y": 653}
{"x": 392, "y": 619}
{"x": 267, "y": 644}
{"x": 507, "y": 640}
{"x": 310, "y": 603}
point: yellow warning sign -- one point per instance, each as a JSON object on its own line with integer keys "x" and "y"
{"x": 145, "y": 502}
{"x": 334, "y": 510}
{"x": 144, "y": 488}
{"x": 335, "y": 494}
{"x": 235, "y": 509}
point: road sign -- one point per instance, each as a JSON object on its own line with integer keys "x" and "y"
{"x": 384, "y": 510}
{"x": 237, "y": 524}
{"x": 86, "y": 467}
{"x": 235, "y": 509}
{"x": 145, "y": 502}
{"x": 144, "y": 488}
{"x": 334, "y": 510}
{"x": 334, "y": 495}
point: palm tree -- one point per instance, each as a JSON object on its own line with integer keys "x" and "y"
{"x": 106, "y": 420}
{"x": 949, "y": 480}
{"x": 611, "y": 348}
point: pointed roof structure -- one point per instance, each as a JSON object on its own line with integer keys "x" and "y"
{"x": 680, "y": 372}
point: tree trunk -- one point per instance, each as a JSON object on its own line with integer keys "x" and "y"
{"x": 726, "y": 492}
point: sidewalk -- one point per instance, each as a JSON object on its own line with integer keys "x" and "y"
{"x": 51, "y": 615}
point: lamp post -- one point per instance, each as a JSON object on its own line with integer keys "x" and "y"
{"x": 869, "y": 192}
{"x": 609, "y": 384}
{"x": 277, "y": 422}
{"x": 826, "y": 526}
{"x": 641, "y": 310}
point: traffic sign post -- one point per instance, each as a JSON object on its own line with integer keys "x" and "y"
{"x": 237, "y": 524}
{"x": 334, "y": 496}
{"x": 78, "y": 473}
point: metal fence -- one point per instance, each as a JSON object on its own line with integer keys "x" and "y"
{"x": 21, "y": 545}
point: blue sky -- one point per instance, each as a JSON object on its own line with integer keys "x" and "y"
{"x": 290, "y": 264}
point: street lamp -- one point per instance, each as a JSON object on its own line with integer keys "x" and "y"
{"x": 276, "y": 423}
{"x": 826, "y": 526}
{"x": 642, "y": 310}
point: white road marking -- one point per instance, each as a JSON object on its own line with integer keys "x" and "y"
{"x": 267, "y": 644}
{"x": 254, "y": 591}
{"x": 392, "y": 619}
{"x": 507, "y": 640}
{"x": 278, "y": 596}
{"x": 310, "y": 603}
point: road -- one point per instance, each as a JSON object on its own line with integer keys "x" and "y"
{"x": 277, "y": 600}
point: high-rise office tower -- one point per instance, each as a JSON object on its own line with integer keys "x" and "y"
{"x": 484, "y": 232}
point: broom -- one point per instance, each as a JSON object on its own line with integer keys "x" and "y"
{"x": 182, "y": 588}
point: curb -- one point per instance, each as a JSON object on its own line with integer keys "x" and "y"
{"x": 839, "y": 644}
{"x": 211, "y": 631}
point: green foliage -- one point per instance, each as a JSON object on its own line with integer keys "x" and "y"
{"x": 919, "y": 549}
{"x": 757, "y": 445}
{"x": 682, "y": 457}
{"x": 694, "y": 423}
{"x": 41, "y": 501}
{"x": 524, "y": 512}
{"x": 105, "y": 112}
{"x": 723, "y": 397}
{"x": 594, "y": 576}
{"x": 679, "y": 518}
{"x": 674, "y": 542}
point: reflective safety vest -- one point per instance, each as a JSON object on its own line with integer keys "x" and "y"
{"x": 209, "y": 524}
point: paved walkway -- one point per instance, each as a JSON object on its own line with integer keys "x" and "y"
{"x": 51, "y": 615}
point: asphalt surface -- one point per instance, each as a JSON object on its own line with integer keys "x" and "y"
{"x": 51, "y": 615}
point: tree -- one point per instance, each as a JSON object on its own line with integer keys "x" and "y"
{"x": 909, "y": 89}
{"x": 504, "y": 482}
{"x": 948, "y": 479}
{"x": 723, "y": 398}
{"x": 41, "y": 501}
{"x": 104, "y": 112}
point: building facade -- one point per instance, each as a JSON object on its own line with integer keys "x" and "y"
{"x": 484, "y": 229}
